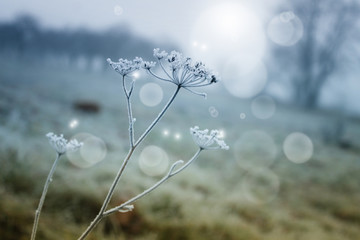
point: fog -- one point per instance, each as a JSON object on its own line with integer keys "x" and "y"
{"x": 284, "y": 49}
{"x": 253, "y": 105}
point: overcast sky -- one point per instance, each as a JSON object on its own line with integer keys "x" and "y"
{"x": 156, "y": 18}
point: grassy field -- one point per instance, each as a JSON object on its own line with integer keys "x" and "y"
{"x": 249, "y": 192}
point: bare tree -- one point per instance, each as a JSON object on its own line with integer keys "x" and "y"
{"x": 328, "y": 26}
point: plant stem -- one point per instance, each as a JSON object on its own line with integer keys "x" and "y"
{"x": 157, "y": 119}
{"x": 42, "y": 199}
{"x": 101, "y": 214}
{"x": 165, "y": 178}
{"x": 131, "y": 120}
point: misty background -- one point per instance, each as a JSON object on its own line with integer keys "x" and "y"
{"x": 320, "y": 39}
{"x": 287, "y": 105}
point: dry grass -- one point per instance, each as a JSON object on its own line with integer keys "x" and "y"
{"x": 317, "y": 200}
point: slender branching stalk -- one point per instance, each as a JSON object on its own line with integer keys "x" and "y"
{"x": 43, "y": 196}
{"x": 101, "y": 214}
{"x": 183, "y": 75}
{"x": 171, "y": 173}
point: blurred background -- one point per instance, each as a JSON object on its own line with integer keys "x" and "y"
{"x": 287, "y": 105}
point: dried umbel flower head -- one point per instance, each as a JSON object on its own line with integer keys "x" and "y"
{"x": 159, "y": 55}
{"x": 124, "y": 66}
{"x": 182, "y": 71}
{"x": 61, "y": 145}
{"x": 148, "y": 65}
{"x": 207, "y": 141}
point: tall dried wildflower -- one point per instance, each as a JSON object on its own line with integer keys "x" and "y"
{"x": 178, "y": 70}
{"x": 61, "y": 146}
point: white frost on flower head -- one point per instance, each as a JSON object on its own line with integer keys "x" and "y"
{"x": 159, "y": 55}
{"x": 175, "y": 60}
{"x": 182, "y": 72}
{"x": 207, "y": 141}
{"x": 124, "y": 66}
{"x": 148, "y": 65}
{"x": 61, "y": 145}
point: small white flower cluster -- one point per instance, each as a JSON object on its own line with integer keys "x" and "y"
{"x": 148, "y": 65}
{"x": 207, "y": 141}
{"x": 159, "y": 55}
{"x": 183, "y": 72}
{"x": 61, "y": 145}
{"x": 124, "y": 66}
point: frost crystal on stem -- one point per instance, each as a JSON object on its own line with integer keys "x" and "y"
{"x": 207, "y": 141}
{"x": 61, "y": 145}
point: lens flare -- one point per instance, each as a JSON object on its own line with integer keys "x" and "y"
{"x": 74, "y": 123}
{"x": 243, "y": 83}
{"x": 153, "y": 161}
{"x": 285, "y": 29}
{"x": 92, "y": 152}
{"x": 151, "y": 94}
{"x": 228, "y": 29}
{"x": 118, "y": 10}
{"x": 213, "y": 112}
{"x": 298, "y": 147}
{"x": 263, "y": 107}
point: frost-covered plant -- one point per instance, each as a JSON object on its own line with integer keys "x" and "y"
{"x": 61, "y": 146}
{"x": 182, "y": 72}
{"x": 207, "y": 141}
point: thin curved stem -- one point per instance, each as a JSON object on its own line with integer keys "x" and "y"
{"x": 197, "y": 93}
{"x": 158, "y": 77}
{"x": 172, "y": 173}
{"x": 157, "y": 119}
{"x": 43, "y": 195}
{"x": 156, "y": 185}
{"x": 163, "y": 68}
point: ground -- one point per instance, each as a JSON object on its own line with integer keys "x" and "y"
{"x": 250, "y": 192}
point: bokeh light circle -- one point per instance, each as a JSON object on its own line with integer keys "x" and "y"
{"x": 213, "y": 112}
{"x": 118, "y": 10}
{"x": 241, "y": 83}
{"x": 260, "y": 185}
{"x": 285, "y": 29}
{"x": 151, "y": 94}
{"x": 254, "y": 149}
{"x": 242, "y": 116}
{"x": 93, "y": 151}
{"x": 298, "y": 147}
{"x": 263, "y": 107}
{"x": 153, "y": 161}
